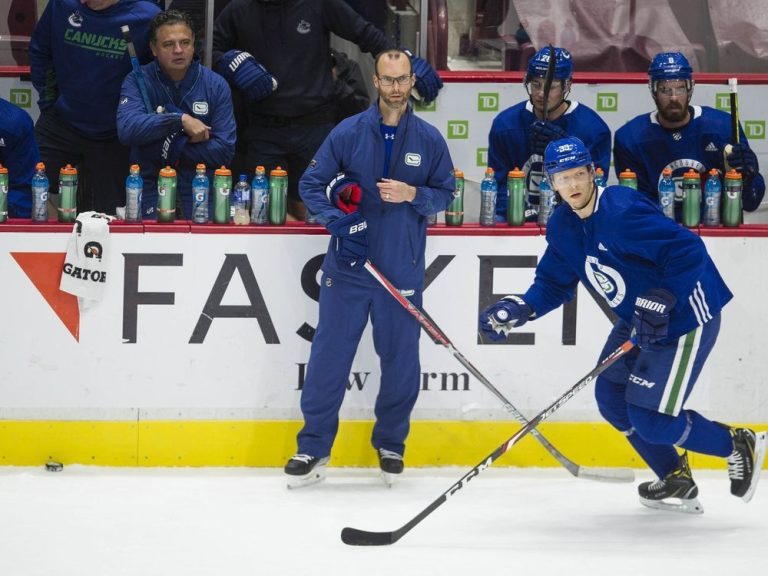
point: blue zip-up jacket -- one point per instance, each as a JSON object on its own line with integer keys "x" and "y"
{"x": 202, "y": 94}
{"x": 625, "y": 248}
{"x": 19, "y": 154}
{"x": 78, "y": 60}
{"x": 397, "y": 233}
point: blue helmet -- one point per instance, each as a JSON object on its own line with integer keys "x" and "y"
{"x": 537, "y": 65}
{"x": 565, "y": 154}
{"x": 669, "y": 66}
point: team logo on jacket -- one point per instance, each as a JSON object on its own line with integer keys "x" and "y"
{"x": 200, "y": 108}
{"x": 606, "y": 281}
{"x": 304, "y": 27}
{"x": 413, "y": 159}
{"x": 75, "y": 19}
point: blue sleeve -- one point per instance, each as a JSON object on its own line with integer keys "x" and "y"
{"x": 623, "y": 159}
{"x": 555, "y": 283}
{"x": 41, "y": 61}
{"x": 678, "y": 255}
{"x": 137, "y": 127}
{"x": 501, "y": 163}
{"x": 437, "y": 193}
{"x": 342, "y": 20}
{"x": 21, "y": 157}
{"x": 219, "y": 149}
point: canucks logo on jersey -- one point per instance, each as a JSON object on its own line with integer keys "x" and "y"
{"x": 606, "y": 281}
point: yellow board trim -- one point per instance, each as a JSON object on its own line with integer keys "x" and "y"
{"x": 269, "y": 443}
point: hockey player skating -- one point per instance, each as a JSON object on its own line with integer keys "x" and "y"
{"x": 667, "y": 292}
{"x": 520, "y": 133}
{"x": 681, "y": 137}
{"x": 373, "y": 183}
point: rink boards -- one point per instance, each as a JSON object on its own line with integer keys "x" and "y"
{"x": 197, "y": 352}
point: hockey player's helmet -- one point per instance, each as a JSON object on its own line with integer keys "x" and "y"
{"x": 565, "y": 154}
{"x": 669, "y": 66}
{"x": 537, "y": 65}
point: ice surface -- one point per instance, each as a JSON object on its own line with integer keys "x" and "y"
{"x": 89, "y": 521}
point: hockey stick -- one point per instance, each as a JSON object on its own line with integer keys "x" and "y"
{"x": 733, "y": 85}
{"x": 429, "y": 325}
{"x": 136, "y": 67}
{"x": 548, "y": 81}
{"x": 356, "y": 537}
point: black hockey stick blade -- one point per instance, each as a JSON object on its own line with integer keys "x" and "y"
{"x": 733, "y": 86}
{"x": 548, "y": 81}
{"x": 439, "y": 337}
{"x": 356, "y": 537}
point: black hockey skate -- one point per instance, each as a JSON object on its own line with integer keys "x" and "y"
{"x": 303, "y": 470}
{"x": 746, "y": 461}
{"x": 676, "y": 492}
{"x": 391, "y": 464}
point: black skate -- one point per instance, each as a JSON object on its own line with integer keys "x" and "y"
{"x": 391, "y": 464}
{"x": 746, "y": 461}
{"x": 676, "y": 492}
{"x": 303, "y": 470}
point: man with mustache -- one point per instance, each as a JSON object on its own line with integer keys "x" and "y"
{"x": 680, "y": 137}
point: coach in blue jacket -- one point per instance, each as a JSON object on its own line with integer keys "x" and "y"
{"x": 373, "y": 183}
{"x": 188, "y": 119}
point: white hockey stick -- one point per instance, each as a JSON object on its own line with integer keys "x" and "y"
{"x": 587, "y": 472}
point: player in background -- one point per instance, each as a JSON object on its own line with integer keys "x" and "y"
{"x": 667, "y": 293}
{"x": 19, "y": 154}
{"x": 373, "y": 183}
{"x": 679, "y": 136}
{"x": 78, "y": 60}
{"x": 520, "y": 133}
{"x": 196, "y": 125}
{"x": 277, "y": 53}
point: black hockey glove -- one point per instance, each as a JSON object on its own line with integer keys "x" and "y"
{"x": 542, "y": 133}
{"x": 650, "y": 322}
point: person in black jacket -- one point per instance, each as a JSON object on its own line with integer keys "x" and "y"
{"x": 277, "y": 53}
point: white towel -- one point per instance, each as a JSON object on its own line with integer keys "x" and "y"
{"x": 85, "y": 266}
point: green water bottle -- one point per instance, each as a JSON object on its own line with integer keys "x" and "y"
{"x": 3, "y": 193}
{"x": 67, "y": 210}
{"x": 454, "y": 214}
{"x": 516, "y": 197}
{"x": 732, "y": 210}
{"x": 628, "y": 178}
{"x": 222, "y": 186}
{"x": 691, "y": 199}
{"x": 166, "y": 195}
{"x": 278, "y": 196}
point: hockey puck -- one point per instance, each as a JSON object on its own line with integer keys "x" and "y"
{"x": 53, "y": 466}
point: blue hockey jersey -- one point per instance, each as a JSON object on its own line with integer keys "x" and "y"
{"x": 78, "y": 60}
{"x": 508, "y": 145}
{"x": 396, "y": 232}
{"x": 625, "y": 248}
{"x": 645, "y": 147}
{"x": 19, "y": 154}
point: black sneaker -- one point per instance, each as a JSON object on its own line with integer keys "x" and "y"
{"x": 304, "y": 470}
{"x": 746, "y": 461}
{"x": 677, "y": 485}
